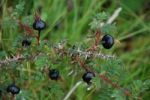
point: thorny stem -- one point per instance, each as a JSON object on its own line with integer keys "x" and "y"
{"x": 82, "y": 64}
{"x": 26, "y": 28}
{"x": 97, "y": 40}
{"x": 17, "y": 58}
{"x": 107, "y": 80}
{"x": 20, "y": 57}
{"x": 115, "y": 85}
{"x": 102, "y": 76}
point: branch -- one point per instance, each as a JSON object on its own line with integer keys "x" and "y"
{"x": 87, "y": 54}
{"x": 84, "y": 54}
{"x": 17, "y": 58}
{"x": 115, "y": 85}
{"x": 9, "y": 60}
{"x": 114, "y": 15}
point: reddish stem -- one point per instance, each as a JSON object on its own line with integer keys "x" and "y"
{"x": 107, "y": 80}
{"x": 97, "y": 38}
{"x": 38, "y": 38}
{"x": 82, "y": 64}
{"x": 115, "y": 85}
{"x": 37, "y": 16}
{"x": 30, "y": 31}
{"x": 102, "y": 76}
{"x": 26, "y": 28}
{"x": 97, "y": 41}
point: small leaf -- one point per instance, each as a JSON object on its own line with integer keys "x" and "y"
{"x": 41, "y": 62}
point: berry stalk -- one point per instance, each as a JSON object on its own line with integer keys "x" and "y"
{"x": 38, "y": 37}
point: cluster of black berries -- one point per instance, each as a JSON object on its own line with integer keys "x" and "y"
{"x": 107, "y": 42}
{"x": 38, "y": 25}
{"x": 54, "y": 75}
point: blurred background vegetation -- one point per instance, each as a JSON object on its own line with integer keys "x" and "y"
{"x": 70, "y": 19}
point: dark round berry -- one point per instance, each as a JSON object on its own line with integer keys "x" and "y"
{"x": 26, "y": 43}
{"x": 87, "y": 77}
{"x": 13, "y": 89}
{"x": 107, "y": 41}
{"x": 54, "y": 74}
{"x": 39, "y": 25}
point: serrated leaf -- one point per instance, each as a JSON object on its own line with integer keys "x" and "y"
{"x": 108, "y": 28}
{"x": 41, "y": 62}
{"x": 97, "y": 82}
{"x": 101, "y": 16}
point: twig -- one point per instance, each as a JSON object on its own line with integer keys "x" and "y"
{"x": 82, "y": 64}
{"x": 17, "y": 58}
{"x": 115, "y": 85}
{"x": 107, "y": 80}
{"x": 72, "y": 90}
{"x": 96, "y": 55}
{"x": 26, "y": 28}
{"x": 114, "y": 15}
{"x": 9, "y": 60}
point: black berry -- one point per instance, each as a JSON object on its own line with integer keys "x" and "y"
{"x": 13, "y": 89}
{"x": 26, "y": 43}
{"x": 54, "y": 74}
{"x": 39, "y": 25}
{"x": 87, "y": 77}
{"x": 107, "y": 41}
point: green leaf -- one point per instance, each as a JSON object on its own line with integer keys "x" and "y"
{"x": 101, "y": 16}
{"x": 41, "y": 61}
{"x": 97, "y": 82}
{"x": 118, "y": 95}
